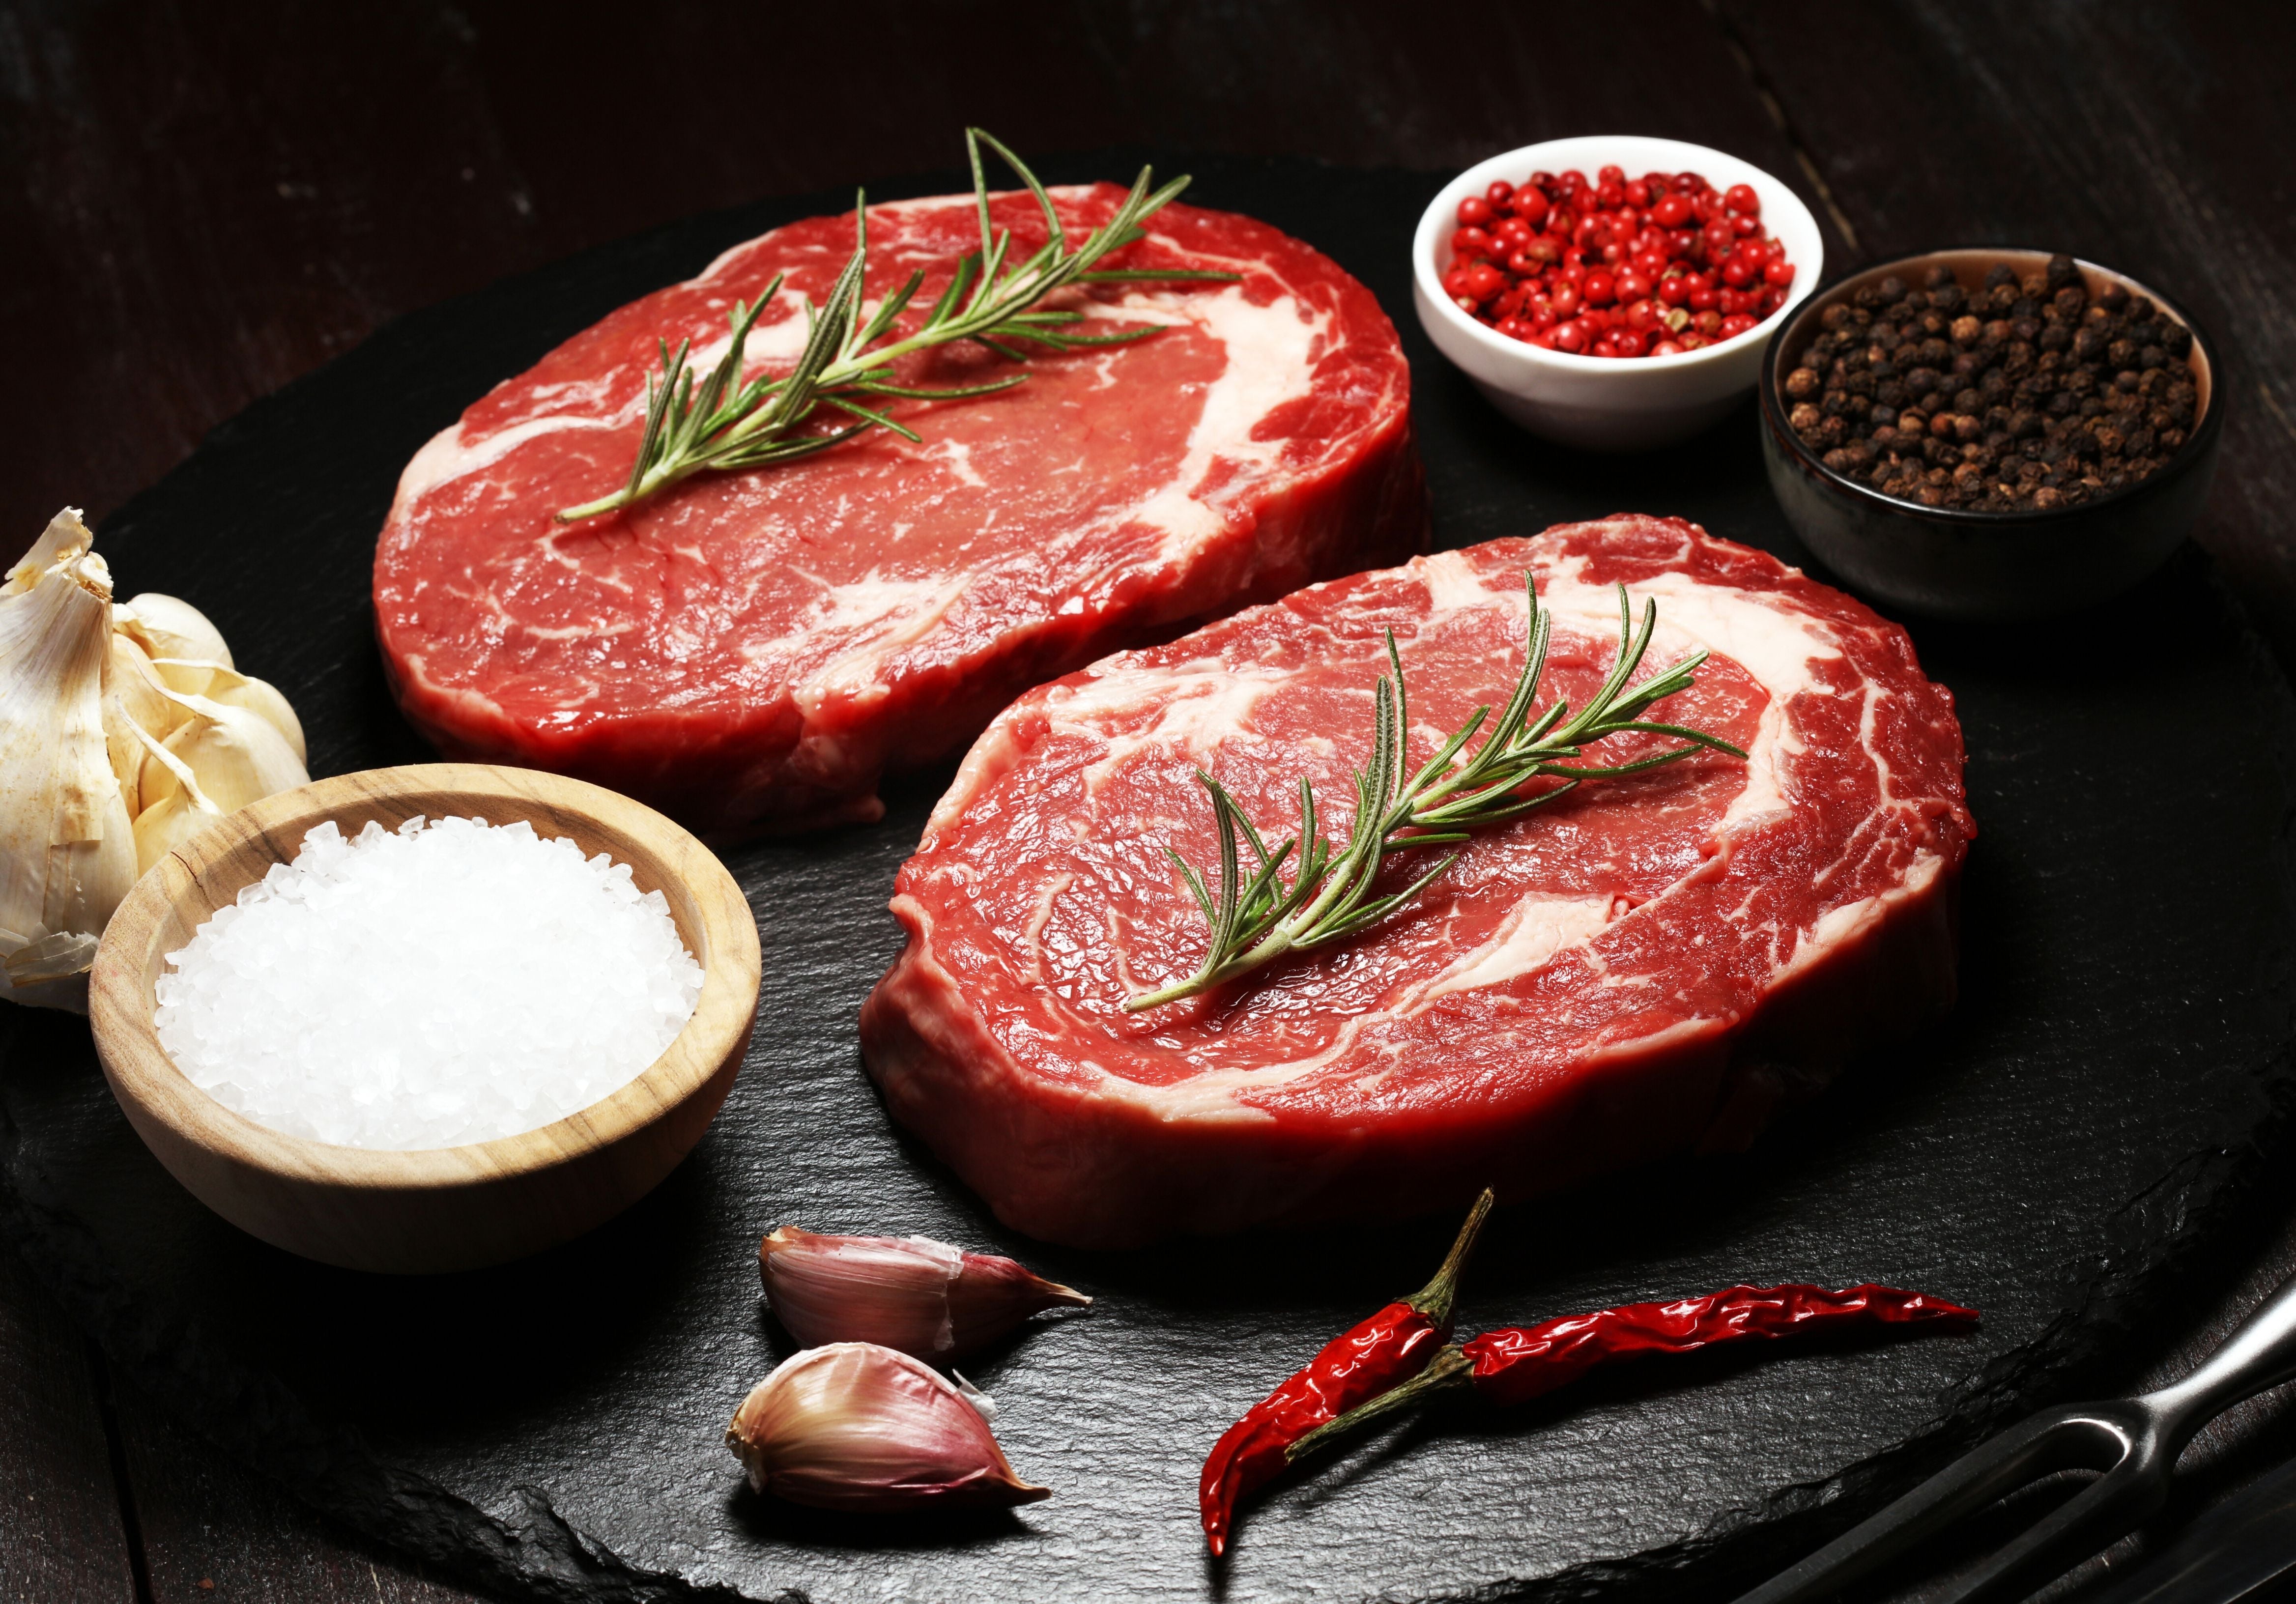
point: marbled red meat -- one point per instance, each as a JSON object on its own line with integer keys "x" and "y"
{"x": 753, "y": 650}
{"x": 1642, "y": 970}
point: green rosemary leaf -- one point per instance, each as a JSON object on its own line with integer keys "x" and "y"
{"x": 724, "y": 425}
{"x": 1441, "y": 803}
{"x": 878, "y": 418}
{"x": 878, "y": 387}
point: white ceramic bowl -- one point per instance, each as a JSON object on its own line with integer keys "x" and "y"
{"x": 1607, "y": 403}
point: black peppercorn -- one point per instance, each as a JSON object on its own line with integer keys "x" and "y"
{"x": 1996, "y": 396}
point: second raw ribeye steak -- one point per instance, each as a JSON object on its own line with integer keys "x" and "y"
{"x": 1643, "y": 969}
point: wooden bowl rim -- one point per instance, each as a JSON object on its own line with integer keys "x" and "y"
{"x": 139, "y": 1068}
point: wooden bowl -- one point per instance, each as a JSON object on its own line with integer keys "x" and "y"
{"x": 441, "y": 1209}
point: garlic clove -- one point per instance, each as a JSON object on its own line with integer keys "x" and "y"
{"x": 190, "y": 675}
{"x": 992, "y": 1297}
{"x": 921, "y": 1297}
{"x": 235, "y": 753}
{"x": 167, "y": 823}
{"x": 854, "y": 1426}
{"x": 233, "y": 689}
{"x": 166, "y": 626}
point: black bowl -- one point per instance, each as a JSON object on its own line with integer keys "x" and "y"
{"x": 1953, "y": 563}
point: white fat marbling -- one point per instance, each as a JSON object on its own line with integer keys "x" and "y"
{"x": 1774, "y": 643}
{"x": 1534, "y": 930}
{"x": 883, "y": 616}
{"x": 1268, "y": 349}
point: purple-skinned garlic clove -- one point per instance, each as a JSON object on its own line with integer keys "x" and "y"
{"x": 921, "y": 1297}
{"x": 854, "y": 1426}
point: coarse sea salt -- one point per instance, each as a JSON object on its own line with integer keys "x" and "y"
{"x": 428, "y": 986}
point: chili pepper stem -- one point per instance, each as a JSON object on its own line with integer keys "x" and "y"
{"x": 1450, "y": 1368}
{"x": 1436, "y": 1298}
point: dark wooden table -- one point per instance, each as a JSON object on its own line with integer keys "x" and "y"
{"x": 201, "y": 200}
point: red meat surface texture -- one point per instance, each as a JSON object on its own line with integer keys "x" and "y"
{"x": 1645, "y": 968}
{"x": 751, "y": 651}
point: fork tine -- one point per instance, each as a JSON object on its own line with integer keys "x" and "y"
{"x": 2109, "y": 1508}
{"x": 1975, "y": 1479}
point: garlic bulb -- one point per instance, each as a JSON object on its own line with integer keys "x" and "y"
{"x": 921, "y": 1297}
{"x": 89, "y": 796}
{"x": 67, "y": 846}
{"x": 854, "y": 1426}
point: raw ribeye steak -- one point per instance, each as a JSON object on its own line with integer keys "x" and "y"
{"x": 1641, "y": 969}
{"x": 755, "y": 650}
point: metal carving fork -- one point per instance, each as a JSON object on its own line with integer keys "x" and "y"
{"x": 2135, "y": 1442}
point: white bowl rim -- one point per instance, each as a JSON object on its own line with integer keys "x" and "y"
{"x": 1434, "y": 227}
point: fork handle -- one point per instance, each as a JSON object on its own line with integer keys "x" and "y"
{"x": 2260, "y": 1352}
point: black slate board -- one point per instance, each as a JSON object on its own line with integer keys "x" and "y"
{"x": 2116, "y": 1069}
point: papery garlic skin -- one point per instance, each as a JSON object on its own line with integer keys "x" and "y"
{"x": 855, "y": 1426}
{"x": 67, "y": 846}
{"x": 921, "y": 1297}
{"x": 131, "y": 702}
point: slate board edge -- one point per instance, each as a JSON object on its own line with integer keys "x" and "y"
{"x": 532, "y": 1552}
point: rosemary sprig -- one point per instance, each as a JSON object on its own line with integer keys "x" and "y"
{"x": 1257, "y": 919}
{"x": 727, "y": 426}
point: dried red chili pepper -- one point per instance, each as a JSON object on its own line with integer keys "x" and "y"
{"x": 1390, "y": 1347}
{"x": 1518, "y": 1364}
